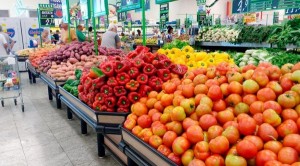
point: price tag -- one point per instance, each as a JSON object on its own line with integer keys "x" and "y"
{"x": 46, "y": 15}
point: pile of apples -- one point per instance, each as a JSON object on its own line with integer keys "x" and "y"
{"x": 224, "y": 115}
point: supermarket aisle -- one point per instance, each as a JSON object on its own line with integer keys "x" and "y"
{"x": 42, "y": 135}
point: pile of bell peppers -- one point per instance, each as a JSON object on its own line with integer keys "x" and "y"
{"x": 72, "y": 85}
{"x": 126, "y": 80}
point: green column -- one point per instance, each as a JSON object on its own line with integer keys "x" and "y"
{"x": 69, "y": 19}
{"x": 41, "y": 40}
{"x": 144, "y": 22}
{"x": 94, "y": 28}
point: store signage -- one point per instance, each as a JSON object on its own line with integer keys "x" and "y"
{"x": 33, "y": 32}
{"x": 244, "y": 6}
{"x": 57, "y": 8}
{"x": 164, "y": 15}
{"x": 85, "y": 9}
{"x": 46, "y": 15}
{"x": 11, "y": 32}
{"x": 65, "y": 11}
{"x": 163, "y": 1}
{"x": 292, "y": 11}
{"x": 250, "y": 18}
{"x": 127, "y": 5}
{"x": 201, "y": 2}
{"x": 100, "y": 8}
{"x": 147, "y": 6}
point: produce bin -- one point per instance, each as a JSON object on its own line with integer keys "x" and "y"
{"x": 102, "y": 122}
{"x": 22, "y": 59}
{"x": 112, "y": 142}
{"x": 143, "y": 150}
{"x": 52, "y": 88}
{"x": 32, "y": 72}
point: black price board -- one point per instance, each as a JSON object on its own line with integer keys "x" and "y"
{"x": 260, "y": 5}
{"x": 240, "y": 6}
{"x": 46, "y": 15}
{"x": 164, "y": 15}
{"x": 285, "y": 4}
{"x": 127, "y": 5}
{"x": 163, "y": 1}
{"x": 292, "y": 11}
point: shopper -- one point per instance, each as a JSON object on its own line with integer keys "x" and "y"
{"x": 45, "y": 37}
{"x": 139, "y": 33}
{"x": 169, "y": 36}
{"x": 110, "y": 38}
{"x": 8, "y": 40}
{"x": 3, "y": 46}
{"x": 65, "y": 34}
{"x": 56, "y": 36}
{"x": 81, "y": 37}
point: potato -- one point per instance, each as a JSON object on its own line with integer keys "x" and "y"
{"x": 88, "y": 64}
{"x": 83, "y": 57}
{"x": 73, "y": 60}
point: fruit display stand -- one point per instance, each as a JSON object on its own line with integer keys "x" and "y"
{"x": 112, "y": 141}
{"x": 32, "y": 72}
{"x": 141, "y": 152}
{"x": 106, "y": 124}
{"x": 52, "y": 88}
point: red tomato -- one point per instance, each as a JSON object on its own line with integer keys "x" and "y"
{"x": 215, "y": 160}
{"x": 287, "y": 101}
{"x": 256, "y": 107}
{"x": 180, "y": 145}
{"x": 266, "y": 94}
{"x": 155, "y": 141}
{"x": 201, "y": 150}
{"x": 232, "y": 134}
{"x": 225, "y": 116}
{"x": 169, "y": 138}
{"x": 287, "y": 127}
{"x": 206, "y": 121}
{"x": 194, "y": 134}
{"x": 187, "y": 122}
{"x": 289, "y": 114}
{"x": 144, "y": 121}
{"x": 247, "y": 126}
{"x": 235, "y": 87}
{"x": 267, "y": 132}
{"x": 215, "y": 93}
{"x": 265, "y": 156}
{"x": 273, "y": 105}
{"x": 249, "y": 99}
{"x": 273, "y": 163}
{"x": 257, "y": 141}
{"x": 196, "y": 162}
{"x": 287, "y": 155}
{"x": 219, "y": 145}
{"x": 214, "y": 131}
{"x": 211, "y": 82}
{"x": 273, "y": 146}
{"x": 219, "y": 105}
{"x": 292, "y": 140}
{"x": 246, "y": 149}
{"x": 175, "y": 158}
{"x": 233, "y": 99}
{"x": 164, "y": 150}
{"x": 258, "y": 117}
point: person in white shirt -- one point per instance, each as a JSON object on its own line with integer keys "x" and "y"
{"x": 3, "y": 45}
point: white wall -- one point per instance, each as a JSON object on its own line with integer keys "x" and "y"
{"x": 179, "y": 9}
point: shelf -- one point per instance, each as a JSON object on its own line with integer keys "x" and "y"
{"x": 144, "y": 151}
{"x": 227, "y": 44}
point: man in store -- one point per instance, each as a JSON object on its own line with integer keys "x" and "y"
{"x": 65, "y": 34}
{"x": 80, "y": 35}
{"x": 7, "y": 43}
{"x": 110, "y": 38}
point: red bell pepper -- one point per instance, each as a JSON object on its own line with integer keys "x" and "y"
{"x": 123, "y": 102}
{"x": 132, "y": 54}
{"x": 80, "y": 88}
{"x": 138, "y": 63}
{"x": 83, "y": 78}
{"x": 112, "y": 81}
{"x": 110, "y": 102}
{"x": 106, "y": 90}
{"x": 97, "y": 105}
{"x": 100, "y": 97}
{"x": 82, "y": 97}
{"x": 142, "y": 79}
{"x": 164, "y": 74}
{"x": 155, "y": 83}
{"x": 97, "y": 83}
{"x": 144, "y": 90}
{"x": 132, "y": 85}
{"x": 91, "y": 97}
{"x": 87, "y": 84}
{"x": 178, "y": 69}
{"x": 141, "y": 49}
{"x": 133, "y": 72}
{"x": 162, "y": 57}
{"x": 148, "y": 57}
{"x": 103, "y": 108}
{"x": 149, "y": 69}
{"x": 109, "y": 110}
{"x": 165, "y": 63}
{"x": 108, "y": 69}
{"x": 120, "y": 67}
{"x": 123, "y": 78}
{"x": 119, "y": 91}
{"x": 120, "y": 109}
{"x": 134, "y": 97}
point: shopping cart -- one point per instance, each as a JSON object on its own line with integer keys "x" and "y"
{"x": 10, "y": 80}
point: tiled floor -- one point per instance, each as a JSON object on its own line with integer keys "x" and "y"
{"x": 42, "y": 135}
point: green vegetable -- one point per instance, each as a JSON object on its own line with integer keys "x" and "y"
{"x": 67, "y": 87}
{"x": 75, "y": 83}
{"x": 69, "y": 82}
{"x": 78, "y": 74}
{"x": 74, "y": 91}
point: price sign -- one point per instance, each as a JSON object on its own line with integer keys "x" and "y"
{"x": 240, "y": 6}
{"x": 292, "y": 11}
{"x": 57, "y": 8}
{"x": 46, "y": 15}
{"x": 127, "y": 5}
{"x": 165, "y": 1}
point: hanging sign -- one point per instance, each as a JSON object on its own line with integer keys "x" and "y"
{"x": 240, "y": 6}
{"x": 292, "y": 11}
{"x": 65, "y": 11}
{"x": 100, "y": 8}
{"x": 57, "y": 8}
{"x": 85, "y": 9}
{"x": 163, "y": 1}
{"x": 147, "y": 6}
{"x": 46, "y": 15}
{"x": 201, "y": 2}
{"x": 164, "y": 15}
{"x": 127, "y": 5}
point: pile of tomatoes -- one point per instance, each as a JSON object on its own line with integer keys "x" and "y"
{"x": 224, "y": 115}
